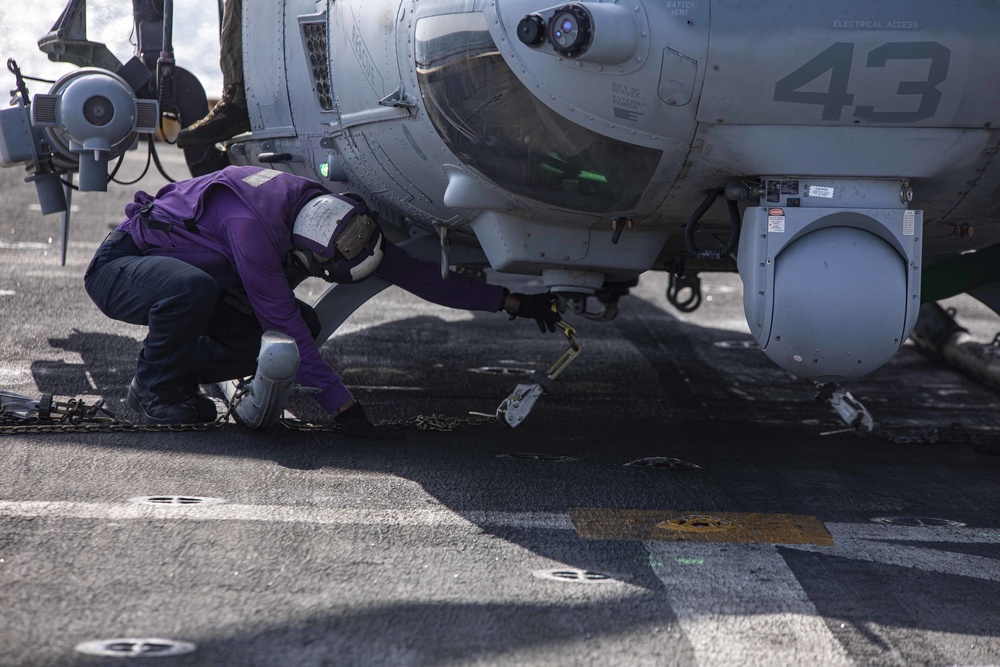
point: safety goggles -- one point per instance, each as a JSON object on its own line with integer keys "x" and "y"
{"x": 355, "y": 237}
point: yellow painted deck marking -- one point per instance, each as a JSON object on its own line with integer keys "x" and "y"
{"x": 697, "y": 523}
{"x": 694, "y": 526}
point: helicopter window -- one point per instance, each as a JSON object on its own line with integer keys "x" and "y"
{"x": 494, "y": 124}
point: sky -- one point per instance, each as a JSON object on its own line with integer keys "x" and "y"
{"x": 195, "y": 37}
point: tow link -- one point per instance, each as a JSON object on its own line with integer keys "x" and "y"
{"x": 513, "y": 410}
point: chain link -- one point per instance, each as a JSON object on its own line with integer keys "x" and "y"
{"x": 75, "y": 416}
{"x": 441, "y": 422}
{"x": 420, "y": 422}
{"x": 28, "y": 416}
{"x": 35, "y": 425}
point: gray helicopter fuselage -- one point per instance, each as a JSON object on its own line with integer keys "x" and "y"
{"x": 710, "y": 92}
{"x": 839, "y": 156}
{"x": 577, "y": 142}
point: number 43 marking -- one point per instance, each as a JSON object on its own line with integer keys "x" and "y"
{"x": 837, "y": 60}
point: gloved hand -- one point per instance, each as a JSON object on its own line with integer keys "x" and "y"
{"x": 354, "y": 423}
{"x": 539, "y": 307}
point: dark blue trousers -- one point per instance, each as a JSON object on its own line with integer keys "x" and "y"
{"x": 193, "y": 336}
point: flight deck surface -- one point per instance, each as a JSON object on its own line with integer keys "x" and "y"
{"x": 676, "y": 500}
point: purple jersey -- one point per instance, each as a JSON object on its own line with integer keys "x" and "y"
{"x": 241, "y": 223}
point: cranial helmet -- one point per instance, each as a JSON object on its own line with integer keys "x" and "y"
{"x": 336, "y": 238}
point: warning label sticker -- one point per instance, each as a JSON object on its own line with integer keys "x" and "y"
{"x": 775, "y": 220}
{"x": 820, "y": 191}
{"x": 909, "y": 218}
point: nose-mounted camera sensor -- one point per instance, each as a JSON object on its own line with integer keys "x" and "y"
{"x": 593, "y": 32}
{"x": 570, "y": 31}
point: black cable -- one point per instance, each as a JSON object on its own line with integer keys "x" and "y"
{"x": 118, "y": 165}
{"x": 156, "y": 159}
{"x": 20, "y": 78}
{"x": 692, "y": 225}
{"x": 735, "y": 224}
{"x": 145, "y": 169}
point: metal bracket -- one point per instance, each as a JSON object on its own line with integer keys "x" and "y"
{"x": 398, "y": 98}
{"x": 678, "y": 283}
{"x": 515, "y": 408}
{"x": 45, "y": 411}
{"x": 444, "y": 233}
{"x": 25, "y": 407}
{"x": 67, "y": 41}
{"x": 850, "y": 409}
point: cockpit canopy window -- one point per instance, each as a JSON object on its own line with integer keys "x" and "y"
{"x": 498, "y": 127}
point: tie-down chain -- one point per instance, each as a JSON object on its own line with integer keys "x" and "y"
{"x": 25, "y": 415}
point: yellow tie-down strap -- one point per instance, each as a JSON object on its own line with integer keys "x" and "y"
{"x": 515, "y": 408}
{"x": 571, "y": 353}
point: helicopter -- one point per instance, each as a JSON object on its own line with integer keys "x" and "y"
{"x": 840, "y": 157}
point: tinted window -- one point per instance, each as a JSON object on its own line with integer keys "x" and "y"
{"x": 498, "y": 127}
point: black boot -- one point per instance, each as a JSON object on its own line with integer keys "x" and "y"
{"x": 203, "y": 404}
{"x": 226, "y": 119}
{"x": 354, "y": 423}
{"x": 160, "y": 409}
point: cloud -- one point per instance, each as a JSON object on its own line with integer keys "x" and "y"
{"x": 195, "y": 37}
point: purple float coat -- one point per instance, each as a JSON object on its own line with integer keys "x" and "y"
{"x": 244, "y": 218}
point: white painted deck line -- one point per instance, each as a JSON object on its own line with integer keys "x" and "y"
{"x": 740, "y": 604}
{"x": 285, "y": 514}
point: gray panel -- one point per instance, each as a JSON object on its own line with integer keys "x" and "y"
{"x": 677, "y": 78}
{"x": 264, "y": 69}
{"x": 516, "y": 245}
{"x": 853, "y": 63}
{"x": 15, "y": 140}
{"x": 914, "y": 152}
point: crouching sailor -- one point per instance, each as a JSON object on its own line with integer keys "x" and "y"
{"x": 209, "y": 264}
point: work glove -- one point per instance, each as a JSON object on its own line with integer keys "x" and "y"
{"x": 540, "y": 307}
{"x": 354, "y": 423}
